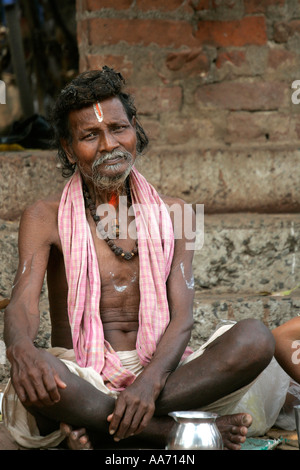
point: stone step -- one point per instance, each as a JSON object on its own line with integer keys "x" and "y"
{"x": 249, "y": 253}
{"x": 241, "y": 253}
{"x": 236, "y": 178}
{"x": 212, "y": 309}
{"x": 225, "y": 179}
{"x": 25, "y": 177}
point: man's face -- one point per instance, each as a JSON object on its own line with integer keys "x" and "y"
{"x": 104, "y": 151}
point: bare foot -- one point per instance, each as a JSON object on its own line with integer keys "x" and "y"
{"x": 76, "y": 439}
{"x": 233, "y": 429}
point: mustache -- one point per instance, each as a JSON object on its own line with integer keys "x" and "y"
{"x": 111, "y": 156}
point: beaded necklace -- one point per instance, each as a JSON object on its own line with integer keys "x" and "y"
{"x": 117, "y": 250}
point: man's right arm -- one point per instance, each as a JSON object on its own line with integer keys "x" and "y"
{"x": 34, "y": 380}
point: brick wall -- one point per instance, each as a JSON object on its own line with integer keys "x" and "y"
{"x": 202, "y": 71}
{"x": 210, "y": 77}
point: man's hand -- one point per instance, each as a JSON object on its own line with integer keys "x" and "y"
{"x": 134, "y": 409}
{"x": 34, "y": 379}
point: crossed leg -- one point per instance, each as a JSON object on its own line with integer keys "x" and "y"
{"x": 232, "y": 361}
{"x": 233, "y": 429}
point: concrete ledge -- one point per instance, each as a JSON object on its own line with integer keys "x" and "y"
{"x": 210, "y": 309}
{"x": 229, "y": 179}
{"x": 26, "y": 176}
{"x": 241, "y": 253}
{"x": 249, "y": 253}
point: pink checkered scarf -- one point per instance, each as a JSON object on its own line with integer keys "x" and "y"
{"x": 84, "y": 285}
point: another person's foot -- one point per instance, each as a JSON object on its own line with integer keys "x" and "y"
{"x": 76, "y": 439}
{"x": 234, "y": 429}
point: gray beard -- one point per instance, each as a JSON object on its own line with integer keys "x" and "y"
{"x": 112, "y": 183}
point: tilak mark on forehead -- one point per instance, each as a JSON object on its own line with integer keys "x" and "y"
{"x": 98, "y": 111}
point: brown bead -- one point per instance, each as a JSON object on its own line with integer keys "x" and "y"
{"x": 127, "y": 255}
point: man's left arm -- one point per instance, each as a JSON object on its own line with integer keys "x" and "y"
{"x": 135, "y": 406}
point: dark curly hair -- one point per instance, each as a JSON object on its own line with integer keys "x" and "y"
{"x": 82, "y": 91}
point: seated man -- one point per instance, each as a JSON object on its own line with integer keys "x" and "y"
{"x": 121, "y": 300}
